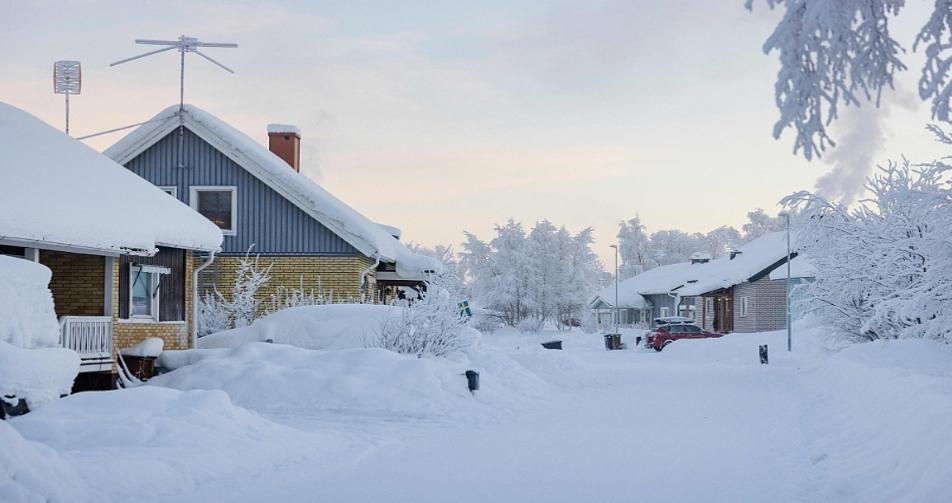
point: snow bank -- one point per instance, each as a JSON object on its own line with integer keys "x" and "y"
{"x": 335, "y": 326}
{"x": 282, "y": 380}
{"x": 37, "y": 375}
{"x": 157, "y": 444}
{"x": 31, "y": 472}
{"x": 27, "y": 318}
{"x": 883, "y": 422}
{"x": 94, "y": 202}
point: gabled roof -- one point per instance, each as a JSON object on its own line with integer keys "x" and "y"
{"x": 359, "y": 231}
{"x": 755, "y": 260}
{"x": 658, "y": 281}
{"x": 57, "y": 192}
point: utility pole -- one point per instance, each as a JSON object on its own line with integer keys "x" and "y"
{"x": 615, "y": 314}
{"x": 786, "y": 215}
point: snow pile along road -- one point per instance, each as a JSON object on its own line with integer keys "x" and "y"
{"x": 282, "y": 380}
{"x": 152, "y": 444}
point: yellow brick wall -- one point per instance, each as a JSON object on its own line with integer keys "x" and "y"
{"x": 78, "y": 282}
{"x": 175, "y": 334}
{"x": 337, "y": 276}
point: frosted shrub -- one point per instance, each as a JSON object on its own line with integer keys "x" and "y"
{"x": 432, "y": 325}
{"x": 217, "y": 312}
{"x": 213, "y": 315}
{"x": 285, "y": 298}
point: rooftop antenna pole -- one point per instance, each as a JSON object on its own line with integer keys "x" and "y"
{"x": 67, "y": 79}
{"x": 183, "y": 44}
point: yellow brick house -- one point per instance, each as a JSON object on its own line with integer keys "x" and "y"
{"x": 121, "y": 251}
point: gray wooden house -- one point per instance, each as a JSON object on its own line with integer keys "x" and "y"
{"x": 262, "y": 203}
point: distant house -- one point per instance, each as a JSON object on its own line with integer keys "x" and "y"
{"x": 745, "y": 291}
{"x": 262, "y": 203}
{"x": 120, "y": 250}
{"x": 649, "y": 295}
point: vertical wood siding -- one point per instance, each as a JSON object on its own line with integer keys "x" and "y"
{"x": 171, "y": 286}
{"x": 271, "y": 223}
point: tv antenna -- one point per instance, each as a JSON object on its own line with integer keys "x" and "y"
{"x": 184, "y": 44}
{"x": 67, "y": 79}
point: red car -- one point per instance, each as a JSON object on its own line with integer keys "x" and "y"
{"x": 666, "y": 334}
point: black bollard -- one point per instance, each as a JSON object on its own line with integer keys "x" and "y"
{"x": 763, "y": 354}
{"x": 472, "y": 380}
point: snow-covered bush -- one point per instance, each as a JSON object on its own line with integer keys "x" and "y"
{"x": 432, "y": 325}
{"x": 884, "y": 269}
{"x": 242, "y": 306}
{"x": 285, "y": 298}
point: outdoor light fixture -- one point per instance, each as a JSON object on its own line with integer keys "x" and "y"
{"x": 67, "y": 80}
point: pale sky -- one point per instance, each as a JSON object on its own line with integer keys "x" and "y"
{"x": 442, "y": 116}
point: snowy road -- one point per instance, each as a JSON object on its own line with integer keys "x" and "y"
{"x": 699, "y": 422}
{"x": 625, "y": 426}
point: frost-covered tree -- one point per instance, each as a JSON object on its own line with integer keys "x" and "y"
{"x": 760, "y": 223}
{"x": 841, "y": 52}
{"x": 242, "y": 305}
{"x": 530, "y": 280}
{"x": 634, "y": 248}
{"x": 674, "y": 246}
{"x": 884, "y": 269}
{"x": 721, "y": 240}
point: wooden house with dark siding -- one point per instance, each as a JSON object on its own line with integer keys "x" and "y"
{"x": 120, "y": 251}
{"x": 262, "y": 203}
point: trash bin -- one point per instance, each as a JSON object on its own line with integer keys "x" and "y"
{"x": 142, "y": 367}
{"x": 472, "y": 381}
{"x": 552, "y": 345}
{"x": 612, "y": 341}
{"x": 11, "y": 406}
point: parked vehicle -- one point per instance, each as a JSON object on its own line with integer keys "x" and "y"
{"x": 668, "y": 320}
{"x": 663, "y": 335}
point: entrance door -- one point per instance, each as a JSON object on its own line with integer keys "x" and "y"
{"x": 723, "y": 312}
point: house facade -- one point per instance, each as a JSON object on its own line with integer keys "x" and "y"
{"x": 264, "y": 206}
{"x": 121, "y": 252}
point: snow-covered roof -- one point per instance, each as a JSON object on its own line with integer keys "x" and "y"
{"x": 657, "y": 281}
{"x": 725, "y": 272}
{"x": 800, "y": 267}
{"x": 363, "y": 234}
{"x": 57, "y": 191}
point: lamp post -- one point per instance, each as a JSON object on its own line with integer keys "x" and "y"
{"x": 786, "y": 216}
{"x": 615, "y": 313}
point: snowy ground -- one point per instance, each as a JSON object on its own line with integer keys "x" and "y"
{"x": 701, "y": 421}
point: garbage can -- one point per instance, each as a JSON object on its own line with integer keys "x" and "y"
{"x": 612, "y": 341}
{"x": 142, "y": 367}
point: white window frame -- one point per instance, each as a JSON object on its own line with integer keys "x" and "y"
{"x": 155, "y": 282}
{"x": 663, "y": 312}
{"x": 744, "y": 306}
{"x": 193, "y": 202}
{"x": 170, "y": 190}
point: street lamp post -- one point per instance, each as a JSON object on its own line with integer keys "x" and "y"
{"x": 789, "y": 317}
{"x": 615, "y": 313}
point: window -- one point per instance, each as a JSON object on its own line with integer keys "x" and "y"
{"x": 172, "y": 191}
{"x": 144, "y": 282}
{"x": 709, "y": 303}
{"x": 744, "y": 305}
{"x": 218, "y": 204}
{"x": 664, "y": 312}
{"x": 690, "y": 329}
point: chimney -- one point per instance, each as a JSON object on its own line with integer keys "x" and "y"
{"x": 284, "y": 140}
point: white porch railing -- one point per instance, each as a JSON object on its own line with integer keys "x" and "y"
{"x": 91, "y": 337}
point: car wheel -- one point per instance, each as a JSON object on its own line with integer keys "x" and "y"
{"x": 669, "y": 341}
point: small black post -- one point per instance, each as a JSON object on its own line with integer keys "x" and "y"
{"x": 472, "y": 380}
{"x": 763, "y": 355}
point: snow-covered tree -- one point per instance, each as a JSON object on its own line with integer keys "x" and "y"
{"x": 242, "y": 305}
{"x": 673, "y": 246}
{"x": 884, "y": 269}
{"x": 532, "y": 279}
{"x": 760, "y": 223}
{"x": 634, "y": 248}
{"x": 721, "y": 240}
{"x": 841, "y": 52}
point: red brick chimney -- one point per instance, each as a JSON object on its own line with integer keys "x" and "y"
{"x": 284, "y": 141}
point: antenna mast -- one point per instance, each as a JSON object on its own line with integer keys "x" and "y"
{"x": 67, "y": 79}
{"x": 184, "y": 44}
